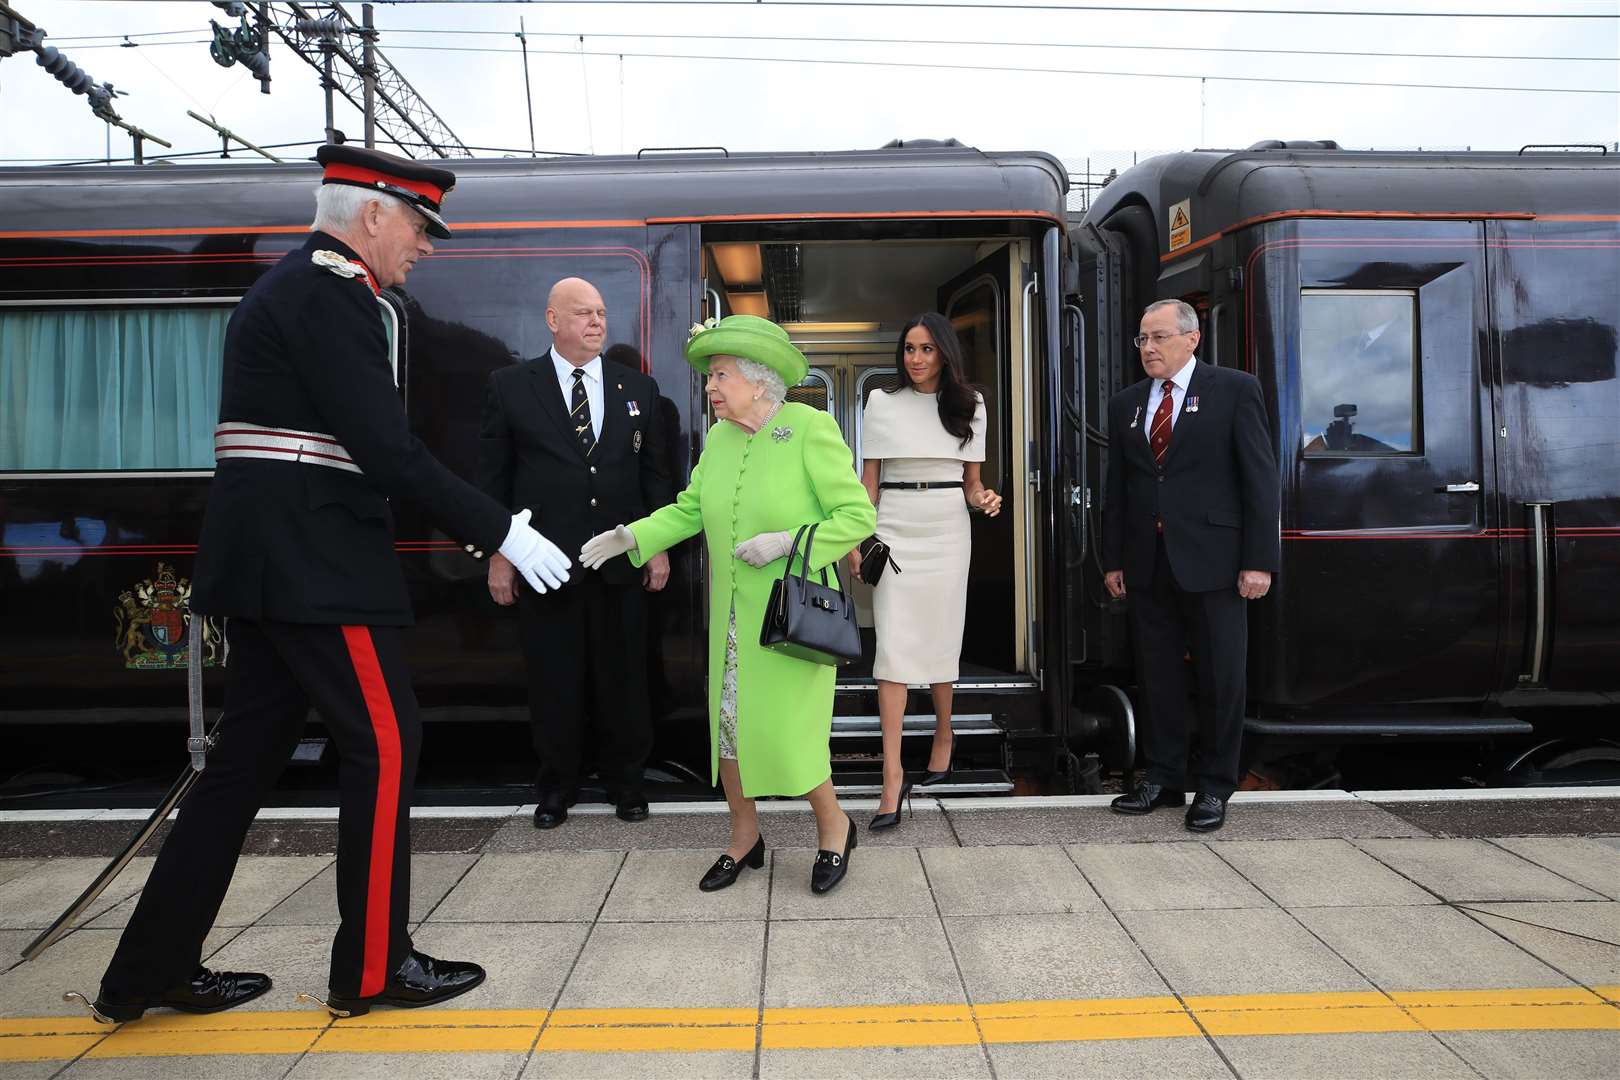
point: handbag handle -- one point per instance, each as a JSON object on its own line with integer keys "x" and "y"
{"x": 804, "y": 567}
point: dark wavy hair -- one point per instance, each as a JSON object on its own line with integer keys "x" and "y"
{"x": 958, "y": 398}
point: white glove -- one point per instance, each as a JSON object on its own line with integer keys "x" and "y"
{"x": 765, "y": 548}
{"x": 604, "y": 546}
{"x": 535, "y": 557}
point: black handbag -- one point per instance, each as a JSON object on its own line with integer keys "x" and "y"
{"x": 876, "y": 557}
{"x": 809, "y": 620}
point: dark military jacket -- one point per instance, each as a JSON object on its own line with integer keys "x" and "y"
{"x": 286, "y": 540}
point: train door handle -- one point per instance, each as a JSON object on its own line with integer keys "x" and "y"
{"x": 1460, "y": 489}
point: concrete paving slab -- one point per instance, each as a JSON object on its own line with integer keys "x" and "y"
{"x": 662, "y": 886}
{"x": 604, "y": 832}
{"x": 1464, "y": 870}
{"x": 1049, "y": 957}
{"x": 74, "y": 963}
{"x": 295, "y": 957}
{"x": 34, "y": 899}
{"x": 881, "y": 883}
{"x": 1515, "y": 1055}
{"x": 31, "y": 1070}
{"x": 240, "y": 1067}
{"x": 1238, "y": 951}
{"x": 481, "y": 1066}
{"x": 860, "y": 962}
{"x": 577, "y": 1065}
{"x": 1580, "y": 940}
{"x": 1319, "y": 873}
{"x": 668, "y": 965}
{"x": 538, "y": 887}
{"x": 1360, "y": 1056}
{"x": 1097, "y": 824}
{"x": 889, "y": 1062}
{"x": 1185, "y": 1059}
{"x": 315, "y": 904}
{"x": 1608, "y": 841}
{"x": 1587, "y": 862}
{"x": 257, "y": 887}
{"x": 1164, "y": 877}
{"x": 15, "y": 868}
{"x": 1564, "y": 815}
{"x": 527, "y": 962}
{"x": 1426, "y": 948}
{"x": 1006, "y": 881}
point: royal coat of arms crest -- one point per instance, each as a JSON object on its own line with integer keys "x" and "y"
{"x": 153, "y": 620}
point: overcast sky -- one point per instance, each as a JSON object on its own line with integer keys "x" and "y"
{"x": 606, "y": 105}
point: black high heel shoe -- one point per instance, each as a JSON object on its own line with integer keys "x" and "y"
{"x": 892, "y": 818}
{"x": 726, "y": 869}
{"x": 940, "y": 777}
{"x": 830, "y": 867}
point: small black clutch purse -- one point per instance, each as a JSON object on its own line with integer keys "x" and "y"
{"x": 809, "y": 620}
{"x": 875, "y": 559}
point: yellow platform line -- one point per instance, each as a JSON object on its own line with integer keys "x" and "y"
{"x": 1570, "y": 1008}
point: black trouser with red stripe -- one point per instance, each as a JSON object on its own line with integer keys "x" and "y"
{"x": 356, "y": 679}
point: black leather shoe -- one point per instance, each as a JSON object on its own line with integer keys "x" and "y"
{"x": 892, "y": 818}
{"x": 421, "y": 980}
{"x": 550, "y": 815}
{"x": 1147, "y": 798}
{"x": 726, "y": 870}
{"x": 944, "y": 774}
{"x": 1207, "y": 813}
{"x": 631, "y": 809}
{"x": 206, "y": 992}
{"x": 831, "y": 866}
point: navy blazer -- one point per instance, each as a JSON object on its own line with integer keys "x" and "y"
{"x": 1217, "y": 493}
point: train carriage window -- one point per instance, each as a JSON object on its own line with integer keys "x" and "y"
{"x": 1358, "y": 372}
{"x": 109, "y": 387}
{"x": 815, "y": 391}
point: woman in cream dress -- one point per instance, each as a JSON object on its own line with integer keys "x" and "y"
{"x": 922, "y": 445}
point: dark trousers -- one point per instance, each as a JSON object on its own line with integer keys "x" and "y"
{"x": 1167, "y": 623}
{"x": 586, "y": 650}
{"x": 355, "y": 677}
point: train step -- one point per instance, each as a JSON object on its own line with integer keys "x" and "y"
{"x": 966, "y": 726}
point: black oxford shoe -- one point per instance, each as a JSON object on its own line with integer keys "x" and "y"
{"x": 205, "y": 992}
{"x": 726, "y": 870}
{"x": 1207, "y": 813}
{"x": 421, "y": 980}
{"x": 831, "y": 866}
{"x": 1147, "y": 798}
{"x": 632, "y": 809}
{"x": 550, "y": 815}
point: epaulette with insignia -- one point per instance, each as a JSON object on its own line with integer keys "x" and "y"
{"x": 339, "y": 265}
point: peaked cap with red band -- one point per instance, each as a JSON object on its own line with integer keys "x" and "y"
{"x": 421, "y": 187}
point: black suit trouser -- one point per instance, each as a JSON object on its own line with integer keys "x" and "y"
{"x": 356, "y": 678}
{"x": 1167, "y": 623}
{"x": 586, "y": 649}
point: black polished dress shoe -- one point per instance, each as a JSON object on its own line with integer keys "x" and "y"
{"x": 550, "y": 815}
{"x": 1147, "y": 798}
{"x": 831, "y": 866}
{"x": 1207, "y": 813}
{"x": 725, "y": 870}
{"x": 944, "y": 774}
{"x": 892, "y": 818}
{"x": 631, "y": 809}
{"x": 420, "y": 980}
{"x": 205, "y": 992}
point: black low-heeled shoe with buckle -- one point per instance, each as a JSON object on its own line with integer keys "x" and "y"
{"x": 205, "y": 992}
{"x": 726, "y": 870}
{"x": 831, "y": 866}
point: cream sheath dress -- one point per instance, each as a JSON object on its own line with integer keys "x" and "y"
{"x": 919, "y": 613}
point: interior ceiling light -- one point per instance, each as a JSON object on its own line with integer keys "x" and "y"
{"x": 739, "y": 264}
{"x": 749, "y": 303}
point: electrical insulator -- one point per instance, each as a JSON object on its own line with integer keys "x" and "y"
{"x": 330, "y": 28}
{"x": 66, "y": 71}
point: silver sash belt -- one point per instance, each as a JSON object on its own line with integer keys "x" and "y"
{"x": 236, "y": 439}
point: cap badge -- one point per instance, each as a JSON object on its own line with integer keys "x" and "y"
{"x": 339, "y": 265}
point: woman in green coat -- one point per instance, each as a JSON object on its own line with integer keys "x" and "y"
{"x": 767, "y": 468}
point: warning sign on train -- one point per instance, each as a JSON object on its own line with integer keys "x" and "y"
{"x": 1181, "y": 224}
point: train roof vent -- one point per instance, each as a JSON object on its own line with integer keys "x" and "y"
{"x": 1296, "y": 144}
{"x": 921, "y": 144}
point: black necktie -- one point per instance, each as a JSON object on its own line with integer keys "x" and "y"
{"x": 579, "y": 414}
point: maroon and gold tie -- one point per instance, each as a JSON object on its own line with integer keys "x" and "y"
{"x": 1159, "y": 432}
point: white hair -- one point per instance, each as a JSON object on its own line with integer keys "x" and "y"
{"x": 771, "y": 385}
{"x": 338, "y": 206}
{"x": 1186, "y": 317}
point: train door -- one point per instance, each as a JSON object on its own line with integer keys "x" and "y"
{"x": 1372, "y": 347}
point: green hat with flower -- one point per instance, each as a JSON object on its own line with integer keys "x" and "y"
{"x": 751, "y": 338}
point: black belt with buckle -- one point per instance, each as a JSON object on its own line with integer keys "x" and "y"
{"x": 919, "y": 485}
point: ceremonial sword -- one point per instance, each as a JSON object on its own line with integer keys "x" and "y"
{"x": 197, "y": 744}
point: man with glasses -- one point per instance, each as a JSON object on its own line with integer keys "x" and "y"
{"x": 1190, "y": 532}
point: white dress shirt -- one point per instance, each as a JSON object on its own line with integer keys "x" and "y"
{"x": 593, "y": 387}
{"x": 1178, "y": 391}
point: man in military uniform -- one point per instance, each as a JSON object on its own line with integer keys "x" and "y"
{"x": 297, "y": 552}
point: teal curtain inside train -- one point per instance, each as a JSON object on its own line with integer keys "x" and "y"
{"x": 109, "y": 387}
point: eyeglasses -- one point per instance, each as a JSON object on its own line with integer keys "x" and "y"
{"x": 1158, "y": 339}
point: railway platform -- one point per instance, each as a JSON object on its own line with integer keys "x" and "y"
{"x": 1365, "y": 934}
